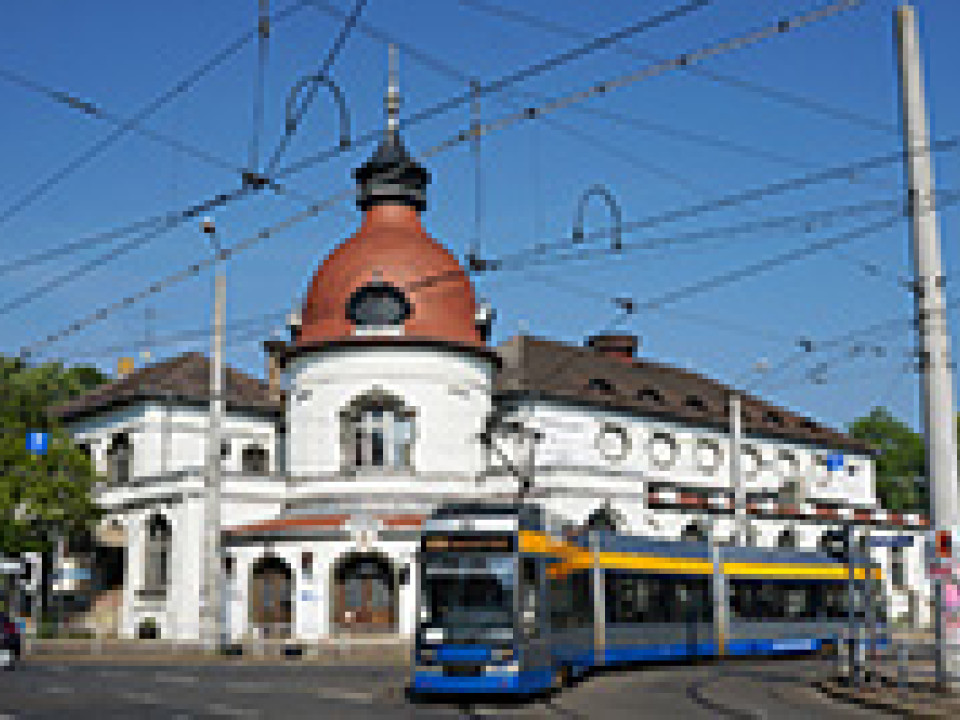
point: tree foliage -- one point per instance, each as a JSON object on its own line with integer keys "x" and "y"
{"x": 39, "y": 492}
{"x": 900, "y": 460}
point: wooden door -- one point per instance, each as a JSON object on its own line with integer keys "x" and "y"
{"x": 272, "y": 598}
{"x": 365, "y": 596}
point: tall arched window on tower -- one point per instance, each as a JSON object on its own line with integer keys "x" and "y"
{"x": 156, "y": 567}
{"x": 378, "y": 432}
{"x": 119, "y": 458}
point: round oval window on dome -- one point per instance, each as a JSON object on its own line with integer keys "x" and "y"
{"x": 378, "y": 305}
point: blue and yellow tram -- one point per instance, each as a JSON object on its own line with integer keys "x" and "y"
{"x": 511, "y": 601}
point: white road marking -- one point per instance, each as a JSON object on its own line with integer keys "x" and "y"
{"x": 227, "y": 711}
{"x": 58, "y": 690}
{"x": 346, "y": 695}
{"x": 177, "y": 679}
{"x": 141, "y": 697}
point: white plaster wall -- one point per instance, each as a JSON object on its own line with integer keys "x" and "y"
{"x": 171, "y": 438}
{"x": 450, "y": 393}
{"x": 570, "y": 442}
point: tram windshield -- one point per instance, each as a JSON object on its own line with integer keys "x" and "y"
{"x": 468, "y": 591}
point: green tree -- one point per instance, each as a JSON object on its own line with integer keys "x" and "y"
{"x": 900, "y": 459}
{"x": 41, "y": 491}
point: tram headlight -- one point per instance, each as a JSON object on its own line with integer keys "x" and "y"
{"x": 513, "y": 667}
{"x": 433, "y": 635}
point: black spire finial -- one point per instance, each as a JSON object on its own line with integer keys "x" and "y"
{"x": 391, "y": 175}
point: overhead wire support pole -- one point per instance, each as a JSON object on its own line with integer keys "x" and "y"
{"x": 212, "y": 616}
{"x": 736, "y": 475}
{"x": 936, "y": 393}
{"x": 263, "y": 51}
{"x": 475, "y": 137}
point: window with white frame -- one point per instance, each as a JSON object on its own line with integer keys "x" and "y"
{"x": 898, "y": 568}
{"x": 378, "y": 432}
{"x": 254, "y": 459}
{"x": 156, "y": 575}
{"x": 120, "y": 459}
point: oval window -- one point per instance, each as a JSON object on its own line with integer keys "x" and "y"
{"x": 378, "y": 305}
{"x": 709, "y": 455}
{"x": 613, "y": 442}
{"x": 663, "y": 450}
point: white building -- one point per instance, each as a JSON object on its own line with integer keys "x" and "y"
{"x": 386, "y": 400}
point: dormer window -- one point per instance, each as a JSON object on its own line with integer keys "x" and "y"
{"x": 600, "y": 385}
{"x": 376, "y": 306}
{"x": 773, "y": 418}
{"x": 695, "y": 402}
{"x": 650, "y": 395}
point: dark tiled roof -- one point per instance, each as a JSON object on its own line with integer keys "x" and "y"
{"x": 583, "y": 375}
{"x": 185, "y": 379}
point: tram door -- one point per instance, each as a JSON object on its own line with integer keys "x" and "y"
{"x": 365, "y": 595}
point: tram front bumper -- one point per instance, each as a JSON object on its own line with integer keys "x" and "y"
{"x": 437, "y": 679}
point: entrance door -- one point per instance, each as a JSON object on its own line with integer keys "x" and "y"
{"x": 364, "y": 591}
{"x": 271, "y": 597}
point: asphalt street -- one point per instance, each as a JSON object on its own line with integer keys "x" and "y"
{"x": 741, "y": 690}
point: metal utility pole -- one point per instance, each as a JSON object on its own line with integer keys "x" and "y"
{"x": 853, "y": 645}
{"x": 936, "y": 394}
{"x": 736, "y": 475}
{"x": 212, "y": 625}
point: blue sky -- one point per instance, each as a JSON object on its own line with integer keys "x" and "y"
{"x": 635, "y": 141}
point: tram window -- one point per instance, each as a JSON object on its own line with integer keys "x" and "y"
{"x": 561, "y": 603}
{"x": 529, "y": 598}
{"x": 634, "y": 598}
{"x": 582, "y": 595}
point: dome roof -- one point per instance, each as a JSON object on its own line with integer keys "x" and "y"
{"x": 392, "y": 256}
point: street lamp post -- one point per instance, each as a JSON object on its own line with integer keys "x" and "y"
{"x": 212, "y": 625}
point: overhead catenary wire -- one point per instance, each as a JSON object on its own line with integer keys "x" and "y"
{"x": 777, "y": 94}
{"x": 752, "y": 37}
{"x": 502, "y": 83}
{"x": 293, "y": 123}
{"x": 326, "y": 155}
{"x": 181, "y": 86}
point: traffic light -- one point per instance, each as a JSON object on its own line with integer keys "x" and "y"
{"x": 836, "y": 543}
{"x": 943, "y": 544}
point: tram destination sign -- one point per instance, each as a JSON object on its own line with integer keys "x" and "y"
{"x": 463, "y": 542}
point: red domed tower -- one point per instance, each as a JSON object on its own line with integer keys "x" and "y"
{"x": 389, "y": 375}
{"x": 391, "y": 279}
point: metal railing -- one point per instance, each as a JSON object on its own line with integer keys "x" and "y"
{"x": 903, "y": 664}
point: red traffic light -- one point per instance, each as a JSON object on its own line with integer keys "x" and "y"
{"x": 943, "y": 544}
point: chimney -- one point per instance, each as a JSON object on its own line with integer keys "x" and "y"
{"x": 273, "y": 376}
{"x": 618, "y": 346}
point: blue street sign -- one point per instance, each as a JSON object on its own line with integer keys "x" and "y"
{"x": 893, "y": 541}
{"x": 37, "y": 442}
{"x": 835, "y": 461}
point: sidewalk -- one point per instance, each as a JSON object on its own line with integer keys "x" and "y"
{"x": 915, "y": 702}
{"x": 367, "y": 652}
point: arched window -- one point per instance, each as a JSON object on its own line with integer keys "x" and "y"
{"x": 694, "y": 532}
{"x": 378, "y": 432}
{"x": 604, "y": 518}
{"x": 254, "y": 459}
{"x": 786, "y": 539}
{"x": 120, "y": 459}
{"x": 156, "y": 572}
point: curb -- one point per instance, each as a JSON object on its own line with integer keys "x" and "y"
{"x": 175, "y": 660}
{"x": 876, "y": 701}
